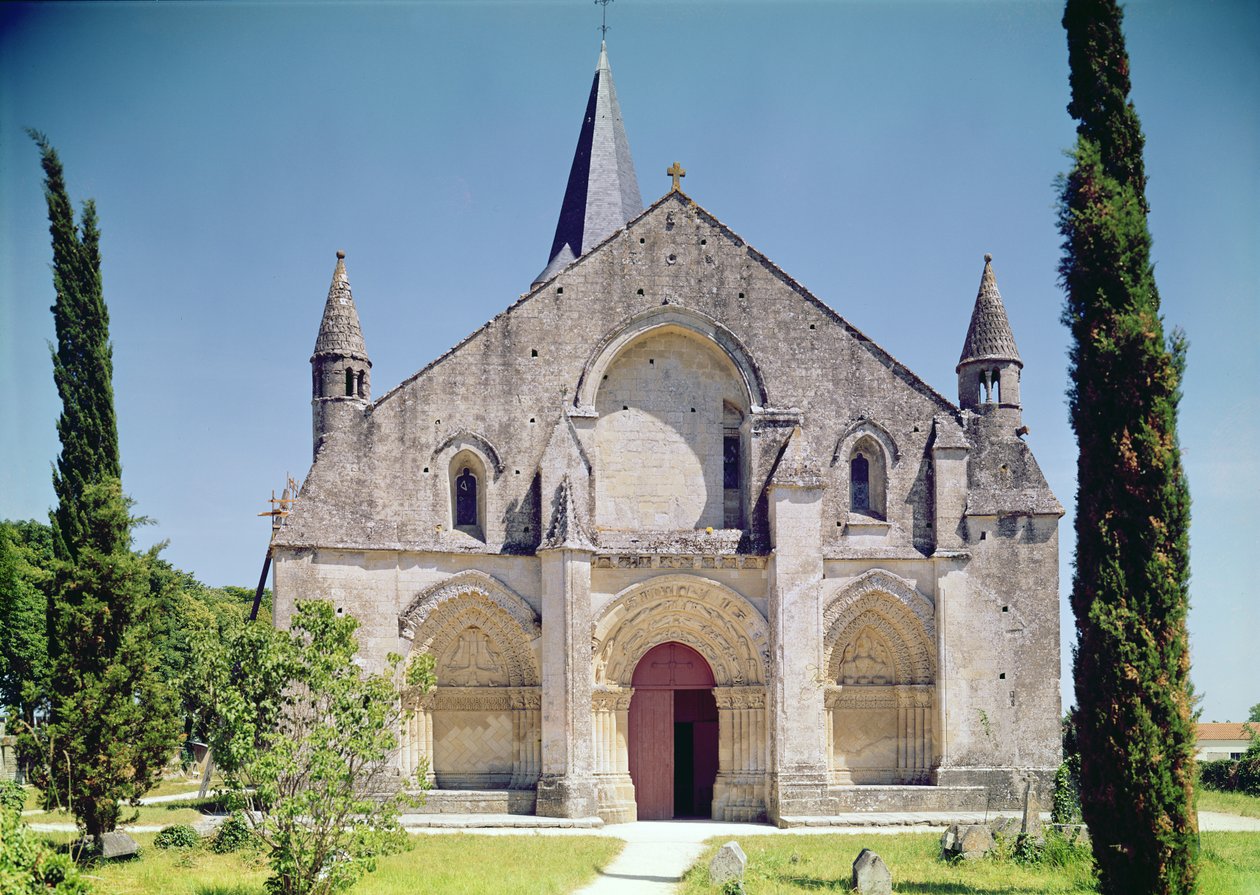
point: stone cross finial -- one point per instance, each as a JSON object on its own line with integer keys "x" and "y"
{"x": 676, "y": 171}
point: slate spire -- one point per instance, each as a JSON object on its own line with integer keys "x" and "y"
{"x": 603, "y": 192}
{"x": 989, "y": 336}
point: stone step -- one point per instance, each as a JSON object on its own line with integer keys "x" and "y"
{"x": 470, "y": 801}
{"x": 901, "y": 798}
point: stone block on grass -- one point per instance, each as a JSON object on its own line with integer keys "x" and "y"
{"x": 728, "y": 864}
{"x": 115, "y": 846}
{"x": 871, "y": 875}
{"x": 966, "y": 841}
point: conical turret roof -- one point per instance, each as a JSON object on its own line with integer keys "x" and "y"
{"x": 603, "y": 191}
{"x": 989, "y": 336}
{"x": 339, "y": 331}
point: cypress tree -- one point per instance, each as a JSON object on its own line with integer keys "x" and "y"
{"x": 111, "y": 721}
{"x": 83, "y": 366}
{"x": 1130, "y": 587}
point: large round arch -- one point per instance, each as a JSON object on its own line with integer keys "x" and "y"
{"x": 722, "y": 626}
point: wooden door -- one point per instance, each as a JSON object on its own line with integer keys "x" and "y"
{"x": 651, "y": 749}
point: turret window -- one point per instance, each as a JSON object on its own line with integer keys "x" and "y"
{"x": 359, "y": 383}
{"x": 349, "y": 383}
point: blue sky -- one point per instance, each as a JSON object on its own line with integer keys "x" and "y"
{"x": 873, "y": 150}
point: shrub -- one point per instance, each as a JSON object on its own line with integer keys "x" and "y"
{"x": 234, "y": 834}
{"x": 12, "y": 796}
{"x": 28, "y": 865}
{"x": 1216, "y": 774}
{"x": 1228, "y": 775}
{"x": 1066, "y": 807}
{"x": 177, "y": 836}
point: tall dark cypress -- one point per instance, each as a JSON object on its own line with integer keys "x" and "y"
{"x": 110, "y": 722}
{"x": 82, "y": 363}
{"x": 1130, "y": 588}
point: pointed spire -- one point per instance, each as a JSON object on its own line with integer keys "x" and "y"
{"x": 989, "y": 336}
{"x": 339, "y": 331}
{"x": 566, "y": 529}
{"x": 603, "y": 191}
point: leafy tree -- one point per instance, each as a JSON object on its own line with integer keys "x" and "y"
{"x": 1253, "y": 714}
{"x": 307, "y": 739}
{"x": 1134, "y": 719}
{"x": 111, "y": 720}
{"x": 25, "y": 553}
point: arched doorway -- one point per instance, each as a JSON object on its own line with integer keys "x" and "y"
{"x": 673, "y": 734}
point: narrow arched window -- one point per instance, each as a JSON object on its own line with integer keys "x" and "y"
{"x": 317, "y": 383}
{"x": 466, "y": 498}
{"x": 359, "y": 389}
{"x": 349, "y": 383}
{"x": 997, "y": 386}
{"x": 859, "y": 484}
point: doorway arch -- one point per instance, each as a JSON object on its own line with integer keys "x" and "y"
{"x": 673, "y": 734}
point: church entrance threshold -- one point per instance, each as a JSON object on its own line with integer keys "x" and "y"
{"x": 673, "y": 733}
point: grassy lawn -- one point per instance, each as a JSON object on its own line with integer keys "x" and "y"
{"x": 460, "y": 863}
{"x": 149, "y": 815}
{"x": 794, "y": 864}
{"x": 1229, "y": 802}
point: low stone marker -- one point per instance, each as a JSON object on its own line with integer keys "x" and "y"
{"x": 871, "y": 875}
{"x": 966, "y": 841}
{"x": 728, "y": 864}
{"x": 118, "y": 845}
{"x": 1032, "y": 825}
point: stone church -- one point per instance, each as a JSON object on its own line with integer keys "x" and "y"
{"x": 683, "y": 541}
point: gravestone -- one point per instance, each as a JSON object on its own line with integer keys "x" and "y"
{"x": 966, "y": 841}
{"x": 728, "y": 864}
{"x": 871, "y": 875}
{"x": 1032, "y": 825}
{"x": 118, "y": 845}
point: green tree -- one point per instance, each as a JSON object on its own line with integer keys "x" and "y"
{"x": 1253, "y": 714}
{"x": 25, "y": 554}
{"x": 28, "y": 864}
{"x": 111, "y": 721}
{"x": 308, "y": 740}
{"x": 83, "y": 365}
{"x": 1134, "y": 719}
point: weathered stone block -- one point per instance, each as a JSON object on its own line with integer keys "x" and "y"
{"x": 1032, "y": 825}
{"x": 728, "y": 864}
{"x": 966, "y": 841}
{"x": 871, "y": 875}
{"x": 118, "y": 845}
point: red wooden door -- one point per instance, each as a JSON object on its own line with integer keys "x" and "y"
{"x": 664, "y": 681}
{"x": 652, "y": 753}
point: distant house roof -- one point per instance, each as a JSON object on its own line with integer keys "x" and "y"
{"x": 1228, "y": 730}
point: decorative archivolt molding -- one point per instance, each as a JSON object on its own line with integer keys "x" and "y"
{"x": 674, "y": 316}
{"x": 465, "y": 440}
{"x": 901, "y": 696}
{"x": 717, "y": 622}
{"x": 471, "y": 584}
{"x": 439, "y": 614}
{"x": 856, "y": 431}
{"x": 880, "y": 619}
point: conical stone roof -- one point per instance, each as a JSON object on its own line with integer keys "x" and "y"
{"x": 989, "y": 336}
{"x": 339, "y": 331}
{"x": 603, "y": 192}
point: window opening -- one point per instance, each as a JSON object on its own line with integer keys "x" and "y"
{"x": 349, "y": 383}
{"x": 860, "y": 484}
{"x": 359, "y": 383}
{"x": 466, "y": 498}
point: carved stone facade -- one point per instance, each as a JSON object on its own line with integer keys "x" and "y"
{"x": 668, "y": 440}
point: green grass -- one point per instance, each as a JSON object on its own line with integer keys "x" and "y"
{"x": 460, "y": 863}
{"x": 1230, "y": 865}
{"x": 148, "y": 815}
{"x": 1229, "y": 802}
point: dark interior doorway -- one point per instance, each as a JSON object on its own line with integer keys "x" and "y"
{"x": 673, "y": 734}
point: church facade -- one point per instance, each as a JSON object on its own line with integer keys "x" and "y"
{"x": 683, "y": 541}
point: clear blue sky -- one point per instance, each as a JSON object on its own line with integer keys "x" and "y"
{"x": 873, "y": 150}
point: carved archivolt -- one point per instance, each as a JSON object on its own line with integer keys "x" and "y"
{"x": 880, "y": 630}
{"x": 854, "y": 433}
{"x": 722, "y": 626}
{"x": 438, "y": 622}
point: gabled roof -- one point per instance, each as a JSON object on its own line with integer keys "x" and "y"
{"x": 339, "y": 331}
{"x": 989, "y": 336}
{"x": 896, "y": 367}
{"x": 603, "y": 192}
{"x": 1225, "y": 730}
